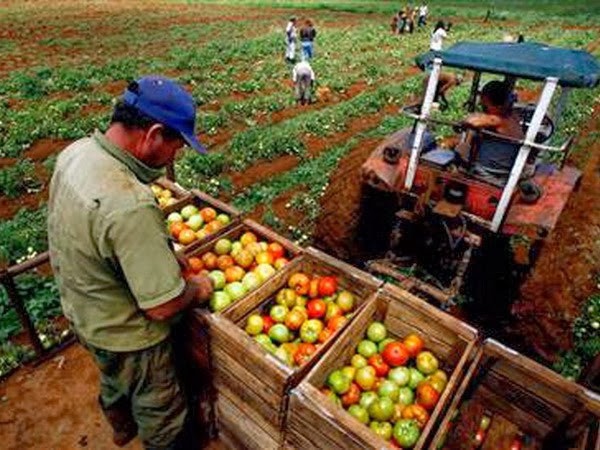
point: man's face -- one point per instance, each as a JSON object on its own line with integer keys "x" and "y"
{"x": 156, "y": 150}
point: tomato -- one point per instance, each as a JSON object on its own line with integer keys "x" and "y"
{"x": 406, "y": 433}
{"x": 313, "y": 290}
{"x": 213, "y": 226}
{"x": 310, "y": 330}
{"x": 264, "y": 258}
{"x": 195, "y": 264}
{"x": 209, "y": 260}
{"x": 395, "y": 354}
{"x": 377, "y": 362}
{"x": 225, "y": 262}
{"x": 352, "y": 396}
{"x": 267, "y": 324}
{"x": 235, "y": 273}
{"x": 414, "y": 344}
{"x": 417, "y": 413}
{"x": 324, "y": 335}
{"x": 427, "y": 395}
{"x": 303, "y": 353}
{"x": 276, "y": 250}
{"x": 480, "y": 437}
{"x": 327, "y": 286}
{"x": 248, "y": 238}
{"x": 208, "y": 214}
{"x": 244, "y": 259}
{"x": 280, "y": 262}
{"x": 300, "y": 283}
{"x": 316, "y": 308}
{"x": 427, "y": 363}
{"x": 175, "y": 228}
{"x": 336, "y": 323}
{"x": 516, "y": 444}
{"x": 294, "y": 320}
{"x": 186, "y": 237}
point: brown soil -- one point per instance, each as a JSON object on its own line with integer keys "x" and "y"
{"x": 564, "y": 274}
{"x": 263, "y": 171}
{"x": 55, "y": 406}
{"x": 336, "y": 227}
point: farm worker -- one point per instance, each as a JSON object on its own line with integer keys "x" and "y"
{"x": 394, "y": 24}
{"x": 303, "y": 77}
{"x": 446, "y": 81}
{"x": 412, "y": 14}
{"x": 307, "y": 38}
{"x": 402, "y": 19}
{"x": 290, "y": 40}
{"x": 423, "y": 11}
{"x": 494, "y": 158}
{"x": 120, "y": 283}
{"x": 437, "y": 37}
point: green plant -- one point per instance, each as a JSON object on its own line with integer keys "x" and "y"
{"x": 18, "y": 178}
{"x": 24, "y": 235}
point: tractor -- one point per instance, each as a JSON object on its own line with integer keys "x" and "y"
{"x": 433, "y": 223}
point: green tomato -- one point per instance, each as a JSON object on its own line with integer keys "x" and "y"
{"x": 406, "y": 432}
{"x": 338, "y": 382}
{"x": 376, "y": 332}
{"x": 406, "y": 396}
{"x": 366, "y": 348}
{"x": 359, "y": 413}
{"x": 367, "y": 398}
{"x": 381, "y": 409}
{"x": 359, "y": 361}
{"x": 400, "y": 375}
{"x": 382, "y": 429}
{"x": 389, "y": 389}
{"x": 427, "y": 363}
{"x": 415, "y": 378}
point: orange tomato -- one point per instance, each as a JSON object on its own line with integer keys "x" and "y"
{"x": 277, "y": 250}
{"x": 186, "y": 236}
{"x": 304, "y": 353}
{"x": 234, "y": 273}
{"x": 176, "y": 228}
{"x": 417, "y": 413}
{"x": 324, "y": 335}
{"x": 427, "y": 396}
{"x": 280, "y": 262}
{"x": 336, "y": 323}
{"x": 195, "y": 264}
{"x": 352, "y": 396}
{"x": 208, "y": 214}
{"x": 210, "y": 260}
{"x": 313, "y": 290}
{"x": 264, "y": 258}
{"x": 225, "y": 262}
{"x": 300, "y": 283}
{"x": 294, "y": 320}
{"x": 414, "y": 344}
{"x": 213, "y": 226}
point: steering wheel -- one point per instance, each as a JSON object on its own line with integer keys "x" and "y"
{"x": 547, "y": 127}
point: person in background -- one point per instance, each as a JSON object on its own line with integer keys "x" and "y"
{"x": 303, "y": 77}
{"x": 402, "y": 19}
{"x": 438, "y": 36}
{"x": 412, "y": 15}
{"x": 290, "y": 40}
{"x": 120, "y": 284}
{"x": 307, "y": 38}
{"x": 423, "y": 11}
{"x": 446, "y": 81}
{"x": 394, "y": 24}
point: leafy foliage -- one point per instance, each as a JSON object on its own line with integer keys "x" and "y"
{"x": 23, "y": 235}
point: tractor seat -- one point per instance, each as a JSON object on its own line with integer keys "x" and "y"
{"x": 439, "y": 157}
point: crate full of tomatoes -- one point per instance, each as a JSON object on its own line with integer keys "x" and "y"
{"x": 262, "y": 347}
{"x": 386, "y": 380}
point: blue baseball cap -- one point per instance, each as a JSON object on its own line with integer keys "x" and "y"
{"x": 165, "y": 101}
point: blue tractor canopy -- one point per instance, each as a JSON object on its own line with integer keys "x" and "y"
{"x": 531, "y": 60}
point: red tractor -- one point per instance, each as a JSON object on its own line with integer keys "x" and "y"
{"x": 437, "y": 216}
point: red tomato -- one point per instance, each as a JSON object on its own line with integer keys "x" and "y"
{"x": 327, "y": 286}
{"x": 480, "y": 437}
{"x": 377, "y": 362}
{"x": 196, "y": 264}
{"x": 352, "y": 396}
{"x": 304, "y": 353}
{"x": 414, "y": 344}
{"x": 176, "y": 228}
{"x": 516, "y": 444}
{"x": 337, "y": 322}
{"x": 276, "y": 249}
{"x": 267, "y": 324}
{"x": 395, "y": 354}
{"x": 427, "y": 396}
{"x": 316, "y": 309}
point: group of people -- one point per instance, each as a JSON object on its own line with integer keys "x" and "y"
{"x": 404, "y": 20}
{"x": 303, "y": 76}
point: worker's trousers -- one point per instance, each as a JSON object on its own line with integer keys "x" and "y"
{"x": 142, "y": 385}
{"x": 303, "y": 90}
{"x": 290, "y": 51}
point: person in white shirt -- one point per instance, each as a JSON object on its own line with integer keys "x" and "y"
{"x": 423, "y": 10}
{"x": 437, "y": 37}
{"x": 290, "y": 40}
{"x": 303, "y": 77}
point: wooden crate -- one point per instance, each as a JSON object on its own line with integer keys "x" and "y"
{"x": 253, "y": 383}
{"x": 314, "y": 421}
{"x": 179, "y": 193}
{"x": 525, "y": 397}
{"x": 203, "y": 200}
{"x": 234, "y": 233}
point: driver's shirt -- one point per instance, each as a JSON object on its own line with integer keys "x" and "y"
{"x": 109, "y": 247}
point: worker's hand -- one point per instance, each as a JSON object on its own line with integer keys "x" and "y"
{"x": 204, "y": 287}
